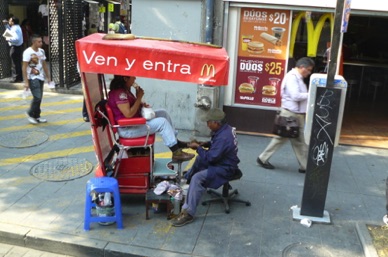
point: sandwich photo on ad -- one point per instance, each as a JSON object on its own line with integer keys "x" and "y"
{"x": 246, "y": 88}
{"x": 272, "y": 39}
{"x": 269, "y": 90}
{"x": 255, "y": 47}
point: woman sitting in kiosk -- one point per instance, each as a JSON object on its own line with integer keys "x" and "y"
{"x": 125, "y": 104}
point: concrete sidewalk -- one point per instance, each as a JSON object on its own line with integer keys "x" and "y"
{"x": 49, "y": 215}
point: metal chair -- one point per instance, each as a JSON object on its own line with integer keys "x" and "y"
{"x": 352, "y": 85}
{"x": 375, "y": 85}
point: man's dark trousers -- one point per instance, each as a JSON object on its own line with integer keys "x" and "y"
{"x": 16, "y": 53}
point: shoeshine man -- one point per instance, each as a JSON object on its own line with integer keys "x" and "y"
{"x": 216, "y": 164}
{"x": 35, "y": 71}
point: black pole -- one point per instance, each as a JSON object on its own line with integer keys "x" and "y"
{"x": 335, "y": 42}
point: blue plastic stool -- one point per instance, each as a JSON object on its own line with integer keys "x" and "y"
{"x": 102, "y": 185}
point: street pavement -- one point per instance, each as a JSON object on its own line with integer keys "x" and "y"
{"x": 7, "y": 250}
{"x": 48, "y": 215}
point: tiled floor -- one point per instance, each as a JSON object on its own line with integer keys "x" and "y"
{"x": 366, "y": 124}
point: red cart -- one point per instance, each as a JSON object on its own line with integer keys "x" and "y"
{"x": 132, "y": 161}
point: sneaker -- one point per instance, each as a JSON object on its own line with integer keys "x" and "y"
{"x": 183, "y": 219}
{"x": 385, "y": 219}
{"x": 180, "y": 156}
{"x": 301, "y": 171}
{"x": 31, "y": 119}
{"x": 265, "y": 165}
{"x": 41, "y": 120}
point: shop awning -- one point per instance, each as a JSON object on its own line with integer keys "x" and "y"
{"x": 159, "y": 59}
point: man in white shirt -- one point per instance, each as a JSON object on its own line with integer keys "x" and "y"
{"x": 35, "y": 71}
{"x": 294, "y": 104}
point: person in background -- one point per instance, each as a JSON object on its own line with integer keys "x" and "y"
{"x": 43, "y": 12}
{"x": 125, "y": 104}
{"x": 294, "y": 104}
{"x": 85, "y": 114}
{"x": 27, "y": 33}
{"x": 213, "y": 166}
{"x": 326, "y": 55}
{"x": 93, "y": 29}
{"x": 119, "y": 26}
{"x": 35, "y": 71}
{"x": 15, "y": 41}
{"x": 111, "y": 28}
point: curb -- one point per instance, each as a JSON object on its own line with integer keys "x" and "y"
{"x": 366, "y": 240}
{"x": 59, "y": 243}
{"x": 71, "y": 245}
{"x": 50, "y": 241}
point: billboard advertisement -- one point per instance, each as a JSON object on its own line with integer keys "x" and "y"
{"x": 262, "y": 56}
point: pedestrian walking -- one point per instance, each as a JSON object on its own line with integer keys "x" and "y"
{"x": 294, "y": 103}
{"x": 35, "y": 71}
{"x": 14, "y": 37}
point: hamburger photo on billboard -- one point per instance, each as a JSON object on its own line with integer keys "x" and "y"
{"x": 255, "y": 47}
{"x": 246, "y": 88}
{"x": 269, "y": 90}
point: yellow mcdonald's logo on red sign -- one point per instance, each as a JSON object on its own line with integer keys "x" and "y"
{"x": 210, "y": 69}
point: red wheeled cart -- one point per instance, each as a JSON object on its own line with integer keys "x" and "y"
{"x": 132, "y": 160}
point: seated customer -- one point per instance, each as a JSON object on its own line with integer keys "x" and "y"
{"x": 125, "y": 104}
{"x": 213, "y": 167}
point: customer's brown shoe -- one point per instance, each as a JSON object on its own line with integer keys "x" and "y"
{"x": 180, "y": 156}
{"x": 183, "y": 219}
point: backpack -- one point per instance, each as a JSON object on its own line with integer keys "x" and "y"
{"x": 122, "y": 29}
{"x": 99, "y": 120}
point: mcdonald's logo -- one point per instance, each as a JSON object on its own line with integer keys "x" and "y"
{"x": 208, "y": 68}
{"x": 313, "y": 34}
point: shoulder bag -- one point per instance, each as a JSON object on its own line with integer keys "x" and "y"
{"x": 286, "y": 126}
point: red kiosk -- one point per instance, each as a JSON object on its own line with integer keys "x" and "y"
{"x": 142, "y": 57}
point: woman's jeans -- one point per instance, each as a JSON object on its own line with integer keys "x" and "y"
{"x": 36, "y": 87}
{"x": 161, "y": 123}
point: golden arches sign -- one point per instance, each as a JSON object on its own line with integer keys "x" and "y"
{"x": 210, "y": 69}
{"x": 313, "y": 34}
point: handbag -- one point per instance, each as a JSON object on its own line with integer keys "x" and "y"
{"x": 147, "y": 113}
{"x": 286, "y": 126}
